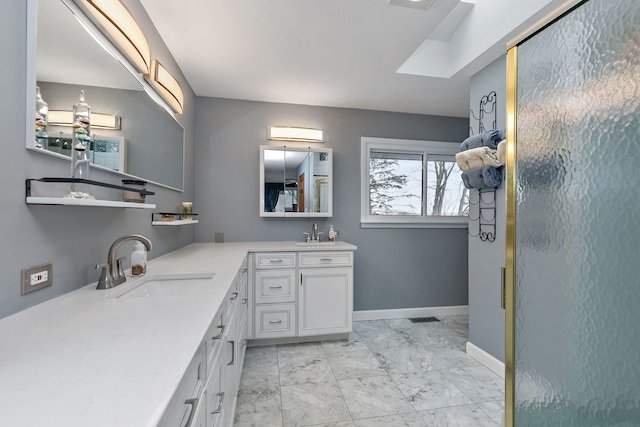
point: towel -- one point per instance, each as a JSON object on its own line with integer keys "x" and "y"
{"x": 484, "y": 177}
{"x": 490, "y": 139}
{"x": 502, "y": 152}
{"x": 476, "y": 158}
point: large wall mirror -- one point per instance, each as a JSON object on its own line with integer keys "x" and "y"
{"x": 296, "y": 182}
{"x": 149, "y": 143}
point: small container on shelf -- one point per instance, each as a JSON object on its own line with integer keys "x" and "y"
{"x": 187, "y": 210}
{"x": 133, "y": 196}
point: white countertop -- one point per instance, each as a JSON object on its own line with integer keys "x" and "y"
{"x": 87, "y": 358}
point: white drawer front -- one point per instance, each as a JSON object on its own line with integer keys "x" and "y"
{"x": 277, "y": 320}
{"x": 325, "y": 259}
{"x": 275, "y": 286}
{"x": 275, "y": 260}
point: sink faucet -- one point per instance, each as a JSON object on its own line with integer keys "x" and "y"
{"x": 314, "y": 236}
{"x": 112, "y": 273}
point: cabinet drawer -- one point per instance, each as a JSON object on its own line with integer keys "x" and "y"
{"x": 188, "y": 394}
{"x": 275, "y": 260}
{"x": 325, "y": 259}
{"x": 276, "y": 320}
{"x": 275, "y": 286}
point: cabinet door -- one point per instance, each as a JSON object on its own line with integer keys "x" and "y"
{"x": 215, "y": 393}
{"x": 326, "y": 301}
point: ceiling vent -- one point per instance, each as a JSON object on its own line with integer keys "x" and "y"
{"x": 413, "y": 4}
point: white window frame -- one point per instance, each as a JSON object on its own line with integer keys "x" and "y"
{"x": 368, "y": 144}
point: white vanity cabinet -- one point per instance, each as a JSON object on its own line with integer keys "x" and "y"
{"x": 208, "y": 391}
{"x": 298, "y": 294}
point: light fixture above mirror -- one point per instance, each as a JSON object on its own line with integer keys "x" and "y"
{"x": 167, "y": 86}
{"x": 116, "y": 19}
{"x": 98, "y": 120}
{"x": 287, "y": 133}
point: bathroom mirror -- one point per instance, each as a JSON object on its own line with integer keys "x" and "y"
{"x": 69, "y": 59}
{"x": 296, "y": 182}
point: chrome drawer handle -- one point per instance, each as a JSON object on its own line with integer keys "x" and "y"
{"x": 275, "y": 321}
{"x": 244, "y": 300}
{"x": 220, "y": 404}
{"x": 193, "y": 402}
{"x": 276, "y": 261}
{"x": 326, "y": 259}
{"x": 275, "y": 287}
{"x": 233, "y": 352}
{"x": 217, "y": 337}
{"x": 235, "y": 295}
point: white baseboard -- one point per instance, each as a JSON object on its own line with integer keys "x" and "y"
{"x": 400, "y": 313}
{"x": 486, "y": 359}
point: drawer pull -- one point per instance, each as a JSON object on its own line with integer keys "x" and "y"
{"x": 244, "y": 300}
{"x": 220, "y": 404}
{"x": 276, "y": 261}
{"x": 275, "y": 287}
{"x": 275, "y": 321}
{"x": 217, "y": 337}
{"x": 326, "y": 259}
{"x": 233, "y": 352}
{"x": 235, "y": 296}
{"x": 193, "y": 403}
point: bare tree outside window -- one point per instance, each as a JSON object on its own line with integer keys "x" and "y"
{"x": 395, "y": 184}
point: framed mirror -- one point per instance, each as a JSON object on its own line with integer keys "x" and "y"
{"x": 296, "y": 182}
{"x": 69, "y": 58}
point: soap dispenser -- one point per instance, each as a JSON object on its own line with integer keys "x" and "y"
{"x": 139, "y": 260}
{"x": 332, "y": 234}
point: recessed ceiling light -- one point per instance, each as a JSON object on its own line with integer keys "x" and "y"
{"x": 414, "y": 4}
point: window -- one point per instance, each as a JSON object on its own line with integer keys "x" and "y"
{"x": 408, "y": 183}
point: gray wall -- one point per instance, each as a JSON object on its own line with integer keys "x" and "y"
{"x": 73, "y": 238}
{"x": 394, "y": 268}
{"x": 486, "y": 318}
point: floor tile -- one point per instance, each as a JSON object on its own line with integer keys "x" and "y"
{"x": 447, "y": 358}
{"x": 384, "y": 339}
{"x": 430, "y": 390}
{"x": 400, "y": 324}
{"x": 313, "y": 403}
{"x": 305, "y": 369}
{"x": 349, "y": 423}
{"x": 370, "y": 325}
{"x": 259, "y": 407}
{"x": 495, "y": 410}
{"x": 353, "y": 343}
{"x": 355, "y": 364}
{"x": 477, "y": 383}
{"x": 374, "y": 396}
{"x": 401, "y": 360}
{"x": 410, "y": 419}
{"x": 458, "y": 416}
{"x": 300, "y": 349}
{"x": 260, "y": 368}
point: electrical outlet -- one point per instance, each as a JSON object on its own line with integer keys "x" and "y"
{"x": 36, "y": 277}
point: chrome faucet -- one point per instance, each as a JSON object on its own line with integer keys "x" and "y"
{"x": 314, "y": 236}
{"x": 112, "y": 273}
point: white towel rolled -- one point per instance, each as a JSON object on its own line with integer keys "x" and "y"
{"x": 477, "y": 158}
{"x": 502, "y": 152}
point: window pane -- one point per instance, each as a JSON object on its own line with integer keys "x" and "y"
{"x": 395, "y": 183}
{"x": 446, "y": 194}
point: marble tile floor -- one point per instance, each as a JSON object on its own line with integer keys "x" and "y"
{"x": 389, "y": 373}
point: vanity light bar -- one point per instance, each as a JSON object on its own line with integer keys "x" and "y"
{"x": 98, "y": 120}
{"x": 167, "y": 86}
{"x": 114, "y": 17}
{"x": 286, "y": 133}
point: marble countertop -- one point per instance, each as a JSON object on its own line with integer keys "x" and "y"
{"x": 89, "y": 358}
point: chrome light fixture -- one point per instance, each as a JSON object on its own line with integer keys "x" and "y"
{"x": 167, "y": 86}
{"x": 286, "y": 133}
{"x": 116, "y": 19}
{"x": 98, "y": 120}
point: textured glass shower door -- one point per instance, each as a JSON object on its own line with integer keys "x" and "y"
{"x": 575, "y": 359}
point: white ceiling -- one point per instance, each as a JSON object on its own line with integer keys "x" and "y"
{"x": 364, "y": 54}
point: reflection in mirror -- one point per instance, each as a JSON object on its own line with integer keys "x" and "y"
{"x": 295, "y": 182}
{"x": 68, "y": 60}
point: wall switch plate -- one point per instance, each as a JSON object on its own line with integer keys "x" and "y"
{"x": 219, "y": 237}
{"x": 36, "y": 277}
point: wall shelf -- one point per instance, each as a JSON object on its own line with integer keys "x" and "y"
{"x": 67, "y": 201}
{"x": 168, "y": 218}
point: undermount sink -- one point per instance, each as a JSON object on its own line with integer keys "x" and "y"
{"x": 315, "y": 244}
{"x": 164, "y": 285}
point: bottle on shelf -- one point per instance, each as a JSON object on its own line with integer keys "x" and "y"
{"x": 42, "y": 120}
{"x": 332, "y": 234}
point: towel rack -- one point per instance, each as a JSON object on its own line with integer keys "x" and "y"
{"x": 486, "y": 218}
